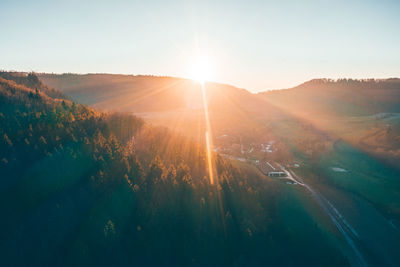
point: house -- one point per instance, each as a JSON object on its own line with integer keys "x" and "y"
{"x": 277, "y": 174}
{"x": 272, "y": 170}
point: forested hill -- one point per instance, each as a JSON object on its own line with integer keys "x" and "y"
{"x": 342, "y": 97}
{"x": 122, "y": 92}
{"x": 325, "y": 97}
{"x": 79, "y": 187}
{"x": 32, "y": 81}
{"x": 152, "y": 94}
{"x": 169, "y": 101}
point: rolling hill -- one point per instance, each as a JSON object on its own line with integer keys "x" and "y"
{"x": 173, "y": 102}
{"x": 364, "y": 113}
{"x": 128, "y": 186}
{"x": 85, "y": 187}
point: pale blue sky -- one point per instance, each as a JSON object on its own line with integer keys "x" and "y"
{"x": 256, "y": 45}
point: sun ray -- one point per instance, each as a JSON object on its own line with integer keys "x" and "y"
{"x": 208, "y": 134}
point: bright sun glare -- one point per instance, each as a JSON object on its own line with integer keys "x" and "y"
{"x": 201, "y": 70}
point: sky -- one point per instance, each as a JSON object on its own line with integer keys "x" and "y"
{"x": 257, "y": 45}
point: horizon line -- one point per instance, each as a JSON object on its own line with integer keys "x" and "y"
{"x": 215, "y": 82}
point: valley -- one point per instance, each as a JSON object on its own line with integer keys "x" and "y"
{"x": 200, "y": 133}
{"x": 330, "y": 178}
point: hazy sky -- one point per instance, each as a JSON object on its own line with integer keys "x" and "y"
{"x": 256, "y": 45}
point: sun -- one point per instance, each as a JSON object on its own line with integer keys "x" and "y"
{"x": 201, "y": 70}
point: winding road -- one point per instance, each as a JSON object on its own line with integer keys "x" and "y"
{"x": 346, "y": 230}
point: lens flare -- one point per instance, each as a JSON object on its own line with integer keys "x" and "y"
{"x": 209, "y": 159}
{"x": 209, "y": 145}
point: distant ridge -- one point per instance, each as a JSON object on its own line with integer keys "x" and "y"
{"x": 349, "y": 82}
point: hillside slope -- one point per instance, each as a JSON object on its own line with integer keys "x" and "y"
{"x": 168, "y": 101}
{"x": 82, "y": 187}
{"x": 365, "y": 113}
{"x": 343, "y": 97}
